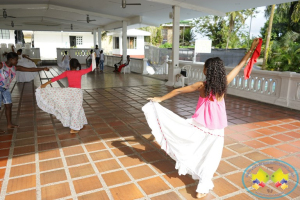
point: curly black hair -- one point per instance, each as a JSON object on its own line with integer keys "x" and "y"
{"x": 216, "y": 79}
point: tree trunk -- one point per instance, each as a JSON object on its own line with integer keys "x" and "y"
{"x": 268, "y": 37}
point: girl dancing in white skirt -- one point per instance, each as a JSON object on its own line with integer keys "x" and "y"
{"x": 196, "y": 144}
{"x": 66, "y": 103}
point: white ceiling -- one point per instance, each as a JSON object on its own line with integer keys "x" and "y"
{"x": 57, "y": 15}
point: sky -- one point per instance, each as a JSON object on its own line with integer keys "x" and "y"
{"x": 257, "y": 23}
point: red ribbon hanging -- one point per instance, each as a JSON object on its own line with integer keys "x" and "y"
{"x": 253, "y": 60}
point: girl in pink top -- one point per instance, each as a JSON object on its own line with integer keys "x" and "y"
{"x": 66, "y": 103}
{"x": 196, "y": 144}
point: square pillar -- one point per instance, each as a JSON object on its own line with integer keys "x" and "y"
{"x": 94, "y": 35}
{"x": 124, "y": 40}
{"x": 175, "y": 47}
{"x": 99, "y": 38}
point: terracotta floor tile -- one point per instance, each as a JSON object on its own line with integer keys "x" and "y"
{"x": 152, "y": 156}
{"x": 153, "y": 185}
{"x": 253, "y": 134}
{"x": 168, "y": 196}
{"x": 54, "y": 153}
{"x": 227, "y": 153}
{"x": 17, "y": 160}
{"x": 236, "y": 178}
{"x": 71, "y": 142}
{"x": 2, "y": 173}
{"x": 241, "y": 196}
{"x": 223, "y": 187}
{"x": 164, "y": 166}
{"x": 239, "y": 137}
{"x": 104, "y": 130}
{"x": 47, "y": 146}
{"x": 288, "y": 148}
{"x": 141, "y": 172}
{"x": 289, "y": 126}
{"x": 293, "y": 160}
{"x": 5, "y": 137}
{"x": 177, "y": 181}
{"x": 239, "y": 148}
{"x": 66, "y": 136}
{"x": 23, "y": 150}
{"x": 114, "y": 178}
{"x": 46, "y": 132}
{"x": 293, "y": 134}
{"x": 51, "y": 164}
{"x": 73, "y": 150}
{"x": 240, "y": 162}
{"x": 189, "y": 193}
{"x": 75, "y": 160}
{"x": 255, "y": 144}
{"x": 100, "y": 155}
{"x": 90, "y": 139}
{"x": 282, "y": 137}
{"x": 107, "y": 165}
{"x": 269, "y": 140}
{"x": 21, "y": 183}
{"x": 3, "y": 162}
{"x": 225, "y": 168}
{"x": 94, "y": 196}
{"x": 122, "y": 151}
{"x": 53, "y": 176}
{"x": 131, "y": 160}
{"x": 142, "y": 147}
{"x": 129, "y": 191}
{"x": 22, "y": 170}
{"x": 56, "y": 191}
{"x": 276, "y": 153}
{"x": 95, "y": 146}
{"x": 81, "y": 171}
{"x": 24, "y": 135}
{"x": 87, "y": 184}
{"x": 24, "y": 142}
{"x": 256, "y": 156}
{"x": 31, "y": 194}
{"x": 46, "y": 139}
{"x": 86, "y": 133}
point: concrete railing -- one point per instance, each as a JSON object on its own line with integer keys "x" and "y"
{"x": 136, "y": 65}
{"x": 278, "y": 88}
{"x": 32, "y": 52}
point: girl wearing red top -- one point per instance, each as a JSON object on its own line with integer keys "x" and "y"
{"x": 66, "y": 103}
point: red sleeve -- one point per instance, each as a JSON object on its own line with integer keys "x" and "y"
{"x": 85, "y": 71}
{"x": 61, "y": 76}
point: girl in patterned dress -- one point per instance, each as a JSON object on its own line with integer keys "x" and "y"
{"x": 66, "y": 103}
{"x": 8, "y": 71}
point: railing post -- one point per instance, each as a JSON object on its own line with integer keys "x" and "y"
{"x": 284, "y": 89}
{"x": 144, "y": 71}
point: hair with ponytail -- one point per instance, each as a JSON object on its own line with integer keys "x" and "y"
{"x": 74, "y": 63}
{"x": 216, "y": 79}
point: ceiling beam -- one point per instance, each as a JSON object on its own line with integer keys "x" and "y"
{"x": 190, "y": 7}
{"x": 59, "y": 8}
{"x": 117, "y": 25}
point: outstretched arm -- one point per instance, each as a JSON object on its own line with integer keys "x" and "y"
{"x": 25, "y": 69}
{"x": 12, "y": 49}
{"x": 24, "y": 56}
{"x": 187, "y": 89}
{"x": 238, "y": 68}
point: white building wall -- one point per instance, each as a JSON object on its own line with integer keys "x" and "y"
{"x": 11, "y": 39}
{"x": 48, "y": 42}
{"x": 139, "y": 46}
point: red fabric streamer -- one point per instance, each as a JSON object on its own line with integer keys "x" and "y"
{"x": 253, "y": 60}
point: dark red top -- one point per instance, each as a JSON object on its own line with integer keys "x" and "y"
{"x": 74, "y": 77}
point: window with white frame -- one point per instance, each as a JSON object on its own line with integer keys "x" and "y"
{"x": 116, "y": 43}
{"x": 4, "y": 34}
{"x": 131, "y": 42}
{"x": 78, "y": 40}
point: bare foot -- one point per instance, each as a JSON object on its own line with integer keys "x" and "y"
{"x": 12, "y": 126}
{"x": 200, "y": 195}
{"x": 73, "y": 131}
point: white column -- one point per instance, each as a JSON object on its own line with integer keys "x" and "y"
{"x": 99, "y": 38}
{"x": 94, "y": 35}
{"x": 124, "y": 40}
{"x": 173, "y": 69}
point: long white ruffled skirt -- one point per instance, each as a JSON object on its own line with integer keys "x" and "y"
{"x": 64, "y": 103}
{"x": 196, "y": 149}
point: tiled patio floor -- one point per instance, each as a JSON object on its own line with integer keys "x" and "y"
{"x": 115, "y": 157}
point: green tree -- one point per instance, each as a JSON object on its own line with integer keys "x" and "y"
{"x": 156, "y": 36}
{"x": 187, "y": 37}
